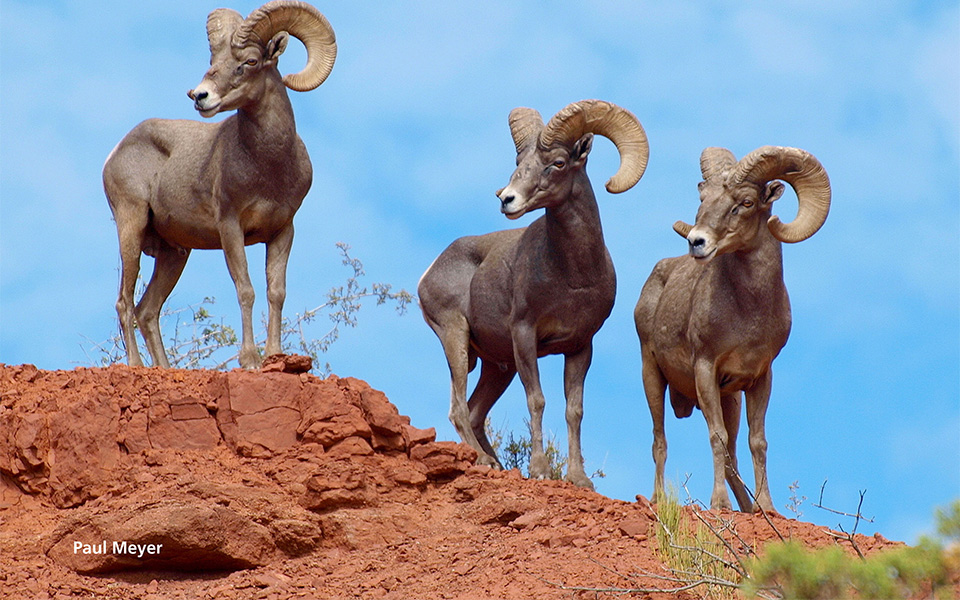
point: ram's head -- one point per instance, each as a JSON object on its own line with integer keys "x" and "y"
{"x": 244, "y": 52}
{"x": 736, "y": 199}
{"x": 550, "y": 156}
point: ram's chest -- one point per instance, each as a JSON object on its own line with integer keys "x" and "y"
{"x": 262, "y": 219}
{"x": 570, "y": 317}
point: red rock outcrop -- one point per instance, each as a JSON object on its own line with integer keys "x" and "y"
{"x": 98, "y": 441}
{"x": 279, "y": 485}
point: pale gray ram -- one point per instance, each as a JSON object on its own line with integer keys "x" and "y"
{"x": 176, "y": 185}
{"x": 711, "y": 322}
{"x": 513, "y": 296}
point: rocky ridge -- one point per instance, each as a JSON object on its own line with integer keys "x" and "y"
{"x": 125, "y": 482}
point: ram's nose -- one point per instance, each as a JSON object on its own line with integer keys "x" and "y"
{"x": 701, "y": 247}
{"x": 509, "y": 203}
{"x": 206, "y": 103}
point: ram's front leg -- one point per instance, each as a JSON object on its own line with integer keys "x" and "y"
{"x": 525, "y": 356}
{"x": 231, "y": 238}
{"x": 708, "y": 393}
{"x": 574, "y": 372}
{"x": 278, "y": 253}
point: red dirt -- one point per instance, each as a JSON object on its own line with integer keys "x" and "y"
{"x": 274, "y": 486}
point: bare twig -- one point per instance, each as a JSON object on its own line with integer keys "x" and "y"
{"x": 685, "y": 586}
{"x": 753, "y": 498}
{"x": 690, "y": 498}
{"x": 856, "y": 523}
{"x": 704, "y": 559}
{"x": 729, "y": 526}
{"x": 858, "y": 516}
{"x": 199, "y": 340}
{"x": 740, "y": 568}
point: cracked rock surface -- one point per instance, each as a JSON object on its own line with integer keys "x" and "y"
{"x": 281, "y": 485}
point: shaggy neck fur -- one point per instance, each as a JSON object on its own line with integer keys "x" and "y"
{"x": 575, "y": 236}
{"x": 266, "y": 127}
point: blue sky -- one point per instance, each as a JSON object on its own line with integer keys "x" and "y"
{"x": 409, "y": 140}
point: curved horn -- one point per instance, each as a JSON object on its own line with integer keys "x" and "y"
{"x": 611, "y": 121}
{"x": 303, "y": 22}
{"x": 221, "y": 23}
{"x": 714, "y": 161}
{"x": 525, "y": 126}
{"x": 804, "y": 173}
{"x": 682, "y": 228}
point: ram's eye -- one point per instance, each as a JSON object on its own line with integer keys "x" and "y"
{"x": 252, "y": 62}
{"x": 747, "y": 203}
{"x": 559, "y": 163}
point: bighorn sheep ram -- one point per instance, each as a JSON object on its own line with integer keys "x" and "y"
{"x": 510, "y": 297}
{"x": 176, "y": 185}
{"x": 711, "y": 322}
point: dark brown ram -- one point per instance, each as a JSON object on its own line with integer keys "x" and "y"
{"x": 513, "y": 296}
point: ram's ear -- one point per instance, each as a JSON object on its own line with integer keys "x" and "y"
{"x": 772, "y": 192}
{"x": 276, "y": 46}
{"x": 581, "y": 148}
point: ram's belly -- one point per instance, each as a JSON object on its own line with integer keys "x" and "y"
{"x": 739, "y": 370}
{"x": 557, "y": 331}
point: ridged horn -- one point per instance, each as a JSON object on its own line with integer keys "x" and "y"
{"x": 221, "y": 23}
{"x": 611, "y": 121}
{"x": 804, "y": 173}
{"x": 714, "y": 161}
{"x": 682, "y": 228}
{"x": 303, "y": 22}
{"x": 525, "y": 126}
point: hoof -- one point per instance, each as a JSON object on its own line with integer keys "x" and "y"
{"x": 539, "y": 467}
{"x": 580, "y": 481}
{"x": 485, "y": 460}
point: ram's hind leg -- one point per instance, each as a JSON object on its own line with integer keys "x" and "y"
{"x": 131, "y": 229}
{"x": 454, "y": 334}
{"x": 494, "y": 380}
{"x": 167, "y": 268}
{"x": 654, "y": 387}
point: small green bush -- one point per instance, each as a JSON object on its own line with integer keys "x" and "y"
{"x": 794, "y": 571}
{"x": 513, "y": 451}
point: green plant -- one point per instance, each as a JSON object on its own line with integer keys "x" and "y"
{"x": 828, "y": 573}
{"x": 794, "y": 571}
{"x": 513, "y": 451}
{"x": 695, "y": 552}
{"x": 201, "y": 340}
{"x": 948, "y": 521}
